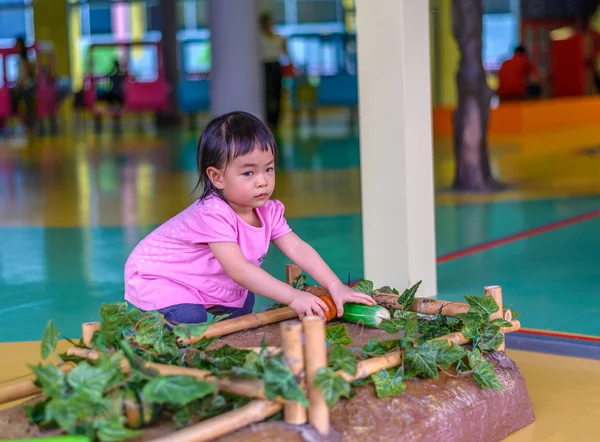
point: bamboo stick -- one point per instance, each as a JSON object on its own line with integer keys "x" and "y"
{"x": 315, "y": 355}
{"x": 253, "y": 320}
{"x": 26, "y": 387}
{"x": 495, "y": 291}
{"x": 254, "y": 412}
{"x": 392, "y": 359}
{"x": 293, "y": 354}
{"x": 292, "y": 272}
{"x": 87, "y": 332}
{"x": 507, "y": 315}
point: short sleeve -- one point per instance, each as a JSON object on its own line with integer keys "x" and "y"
{"x": 279, "y": 225}
{"x": 213, "y": 225}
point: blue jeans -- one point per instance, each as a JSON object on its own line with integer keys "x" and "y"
{"x": 197, "y": 314}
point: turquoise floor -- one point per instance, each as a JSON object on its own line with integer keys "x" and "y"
{"x": 66, "y": 273}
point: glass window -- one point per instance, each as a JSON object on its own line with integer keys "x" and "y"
{"x": 500, "y": 37}
{"x": 100, "y": 20}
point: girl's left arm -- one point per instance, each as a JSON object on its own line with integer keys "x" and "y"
{"x": 311, "y": 262}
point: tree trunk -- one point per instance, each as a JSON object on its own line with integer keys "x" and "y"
{"x": 472, "y": 113}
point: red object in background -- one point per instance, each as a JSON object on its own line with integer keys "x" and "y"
{"x": 571, "y": 62}
{"x": 567, "y": 60}
{"x": 513, "y": 77}
{"x": 287, "y": 70}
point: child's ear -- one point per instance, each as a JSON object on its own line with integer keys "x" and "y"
{"x": 215, "y": 176}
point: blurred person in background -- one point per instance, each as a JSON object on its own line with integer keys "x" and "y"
{"x": 518, "y": 78}
{"x": 273, "y": 47}
{"x": 24, "y": 89}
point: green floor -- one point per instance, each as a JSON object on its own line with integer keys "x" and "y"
{"x": 553, "y": 279}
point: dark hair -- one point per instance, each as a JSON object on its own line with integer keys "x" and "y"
{"x": 264, "y": 18}
{"x": 521, "y": 49}
{"x": 226, "y": 138}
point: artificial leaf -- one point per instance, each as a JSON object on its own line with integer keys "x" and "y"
{"x": 61, "y": 411}
{"x": 471, "y": 319}
{"x": 277, "y": 306}
{"x": 342, "y": 358}
{"x": 484, "y": 305}
{"x": 446, "y": 354}
{"x": 338, "y": 334}
{"x": 108, "y": 310}
{"x": 411, "y": 333}
{"x": 364, "y": 286}
{"x": 49, "y": 340}
{"x": 422, "y": 360}
{"x": 186, "y": 331}
{"x": 113, "y": 430}
{"x": 280, "y": 381}
{"x": 224, "y": 358}
{"x": 483, "y": 371}
{"x": 89, "y": 380}
{"x": 388, "y": 382}
{"x": 500, "y": 323}
{"x": 50, "y": 379}
{"x": 300, "y": 282}
{"x": 393, "y": 326}
{"x": 332, "y": 385}
{"x": 387, "y": 290}
{"x": 376, "y": 347}
{"x": 407, "y": 298}
{"x": 496, "y": 341}
{"x": 433, "y": 327}
{"x": 178, "y": 390}
{"x": 150, "y": 330}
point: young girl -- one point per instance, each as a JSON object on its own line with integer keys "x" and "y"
{"x": 207, "y": 258}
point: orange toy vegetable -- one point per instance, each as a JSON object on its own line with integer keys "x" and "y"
{"x": 332, "y": 313}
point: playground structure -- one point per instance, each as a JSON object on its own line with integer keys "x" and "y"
{"x": 46, "y": 88}
{"x": 193, "y": 90}
{"x": 143, "y": 90}
{"x": 485, "y": 413}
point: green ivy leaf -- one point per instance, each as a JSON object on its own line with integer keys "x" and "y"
{"x": 62, "y": 411}
{"x": 113, "y": 429}
{"x": 338, "y": 334}
{"x": 483, "y": 305}
{"x": 332, "y": 385}
{"x": 49, "y": 340}
{"x": 151, "y": 330}
{"x": 280, "y": 381}
{"x": 393, "y": 326}
{"x": 422, "y": 360}
{"x": 89, "y": 380}
{"x": 446, "y": 354}
{"x": 376, "y": 347}
{"x": 50, "y": 379}
{"x": 224, "y": 358}
{"x": 496, "y": 341}
{"x": 387, "y": 290}
{"x": 407, "y": 298}
{"x": 364, "y": 286}
{"x": 182, "y": 331}
{"x": 342, "y": 358}
{"x": 388, "y": 382}
{"x": 411, "y": 333}
{"x": 472, "y": 319}
{"x": 178, "y": 390}
{"x": 500, "y": 323}
{"x": 433, "y": 327}
{"x": 300, "y": 282}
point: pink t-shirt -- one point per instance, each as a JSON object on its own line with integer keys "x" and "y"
{"x": 174, "y": 264}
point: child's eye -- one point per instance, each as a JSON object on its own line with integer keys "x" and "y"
{"x": 249, "y": 173}
{"x": 270, "y": 169}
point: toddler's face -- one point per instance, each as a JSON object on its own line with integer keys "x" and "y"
{"x": 249, "y": 180}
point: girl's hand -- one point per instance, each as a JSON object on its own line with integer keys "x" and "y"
{"x": 341, "y": 294}
{"x": 306, "y": 304}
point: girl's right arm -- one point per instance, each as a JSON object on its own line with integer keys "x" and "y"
{"x": 260, "y": 282}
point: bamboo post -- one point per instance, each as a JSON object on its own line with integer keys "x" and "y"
{"x": 87, "y": 332}
{"x": 292, "y": 272}
{"x": 26, "y": 387}
{"x": 495, "y": 291}
{"x": 245, "y": 322}
{"x": 293, "y": 354}
{"x": 211, "y": 429}
{"x": 315, "y": 355}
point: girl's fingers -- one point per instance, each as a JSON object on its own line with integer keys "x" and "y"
{"x": 318, "y": 309}
{"x": 322, "y": 304}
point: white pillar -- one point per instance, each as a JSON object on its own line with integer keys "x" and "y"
{"x": 396, "y": 143}
{"x": 237, "y": 74}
